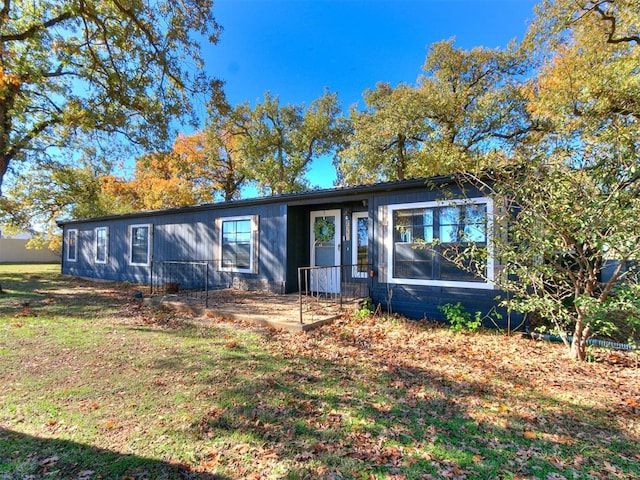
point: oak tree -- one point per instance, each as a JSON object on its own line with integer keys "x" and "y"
{"x": 280, "y": 141}
{"x": 80, "y": 73}
{"x": 463, "y": 113}
{"x": 572, "y": 195}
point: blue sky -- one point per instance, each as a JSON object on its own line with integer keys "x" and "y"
{"x": 297, "y": 48}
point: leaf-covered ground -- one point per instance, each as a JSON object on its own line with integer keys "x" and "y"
{"x": 94, "y": 385}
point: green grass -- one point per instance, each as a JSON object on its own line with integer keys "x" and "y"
{"x": 94, "y": 385}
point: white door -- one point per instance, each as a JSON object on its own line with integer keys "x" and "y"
{"x": 325, "y": 251}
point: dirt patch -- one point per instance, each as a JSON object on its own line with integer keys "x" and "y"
{"x": 264, "y": 308}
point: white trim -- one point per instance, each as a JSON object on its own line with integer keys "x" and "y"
{"x": 337, "y": 233}
{"x": 485, "y": 285}
{"x": 149, "y": 241}
{"x": 106, "y": 245}
{"x": 252, "y": 244}
{"x": 355, "y": 216}
{"x": 332, "y": 284}
{"x": 75, "y": 245}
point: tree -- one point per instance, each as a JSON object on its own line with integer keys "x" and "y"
{"x": 222, "y": 139}
{"x": 160, "y": 180}
{"x": 463, "y": 113}
{"x": 80, "y": 73}
{"x": 38, "y": 199}
{"x": 474, "y": 106}
{"x": 200, "y": 167}
{"x": 572, "y": 196}
{"x": 386, "y": 137}
{"x": 280, "y": 142}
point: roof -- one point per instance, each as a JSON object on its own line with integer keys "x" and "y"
{"x": 311, "y": 196}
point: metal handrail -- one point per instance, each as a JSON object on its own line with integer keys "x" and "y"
{"x": 332, "y": 285}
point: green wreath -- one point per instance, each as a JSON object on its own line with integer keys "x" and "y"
{"x": 324, "y": 230}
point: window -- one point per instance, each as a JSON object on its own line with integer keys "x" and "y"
{"x": 423, "y": 233}
{"x": 72, "y": 245}
{"x": 360, "y": 244}
{"x": 140, "y": 244}
{"x": 102, "y": 249}
{"x": 238, "y": 237}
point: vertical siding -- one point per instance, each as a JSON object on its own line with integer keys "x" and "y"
{"x": 298, "y": 244}
{"x": 421, "y": 301}
{"x": 186, "y": 236}
{"x": 283, "y": 246}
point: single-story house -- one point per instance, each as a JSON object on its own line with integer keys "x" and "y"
{"x": 378, "y": 231}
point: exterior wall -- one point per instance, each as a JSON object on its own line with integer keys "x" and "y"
{"x": 297, "y": 244}
{"x": 182, "y": 236}
{"x": 193, "y": 234}
{"x": 14, "y": 250}
{"x": 420, "y": 301}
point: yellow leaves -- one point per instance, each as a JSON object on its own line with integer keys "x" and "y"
{"x": 9, "y": 83}
{"x": 190, "y": 146}
{"x": 110, "y": 425}
{"x": 231, "y": 342}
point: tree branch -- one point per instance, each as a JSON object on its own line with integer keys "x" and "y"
{"x": 31, "y": 31}
{"x": 613, "y": 21}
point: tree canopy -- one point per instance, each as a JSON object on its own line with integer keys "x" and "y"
{"x": 80, "y": 73}
{"x": 461, "y": 114}
{"x": 572, "y": 190}
{"x": 279, "y": 142}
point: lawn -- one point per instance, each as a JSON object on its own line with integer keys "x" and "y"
{"x": 94, "y": 385}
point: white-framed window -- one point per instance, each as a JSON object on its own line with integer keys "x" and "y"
{"x": 72, "y": 245}
{"x": 421, "y": 234}
{"x": 139, "y": 244}
{"x": 238, "y": 244}
{"x": 360, "y": 244}
{"x": 102, "y": 244}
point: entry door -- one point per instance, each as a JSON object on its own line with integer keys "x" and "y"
{"x": 325, "y": 251}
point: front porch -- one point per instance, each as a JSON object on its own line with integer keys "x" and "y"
{"x": 270, "y": 310}
{"x": 324, "y": 294}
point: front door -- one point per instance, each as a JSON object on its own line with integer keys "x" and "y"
{"x": 325, "y": 251}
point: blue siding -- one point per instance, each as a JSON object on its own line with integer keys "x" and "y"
{"x": 191, "y": 234}
{"x": 422, "y": 301}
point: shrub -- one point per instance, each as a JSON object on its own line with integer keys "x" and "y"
{"x": 459, "y": 318}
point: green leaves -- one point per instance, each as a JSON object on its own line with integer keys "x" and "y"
{"x": 461, "y": 113}
{"x": 79, "y": 73}
{"x": 278, "y": 142}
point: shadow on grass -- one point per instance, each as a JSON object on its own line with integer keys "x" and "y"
{"x": 329, "y": 417}
{"x": 23, "y": 456}
{"x": 340, "y": 413}
{"x": 53, "y": 294}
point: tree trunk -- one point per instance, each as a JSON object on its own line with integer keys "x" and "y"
{"x": 579, "y": 342}
{"x": 4, "y": 165}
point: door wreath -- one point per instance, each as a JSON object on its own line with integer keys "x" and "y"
{"x": 324, "y": 230}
